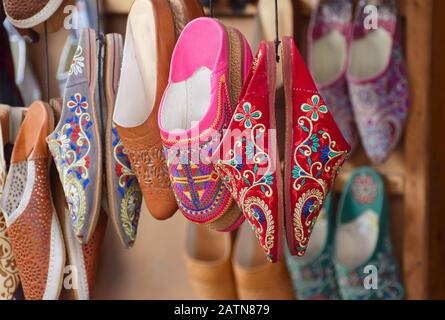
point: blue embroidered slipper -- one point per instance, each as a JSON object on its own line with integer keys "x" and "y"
{"x": 123, "y": 190}
{"x": 313, "y": 275}
{"x": 75, "y": 143}
{"x": 365, "y": 265}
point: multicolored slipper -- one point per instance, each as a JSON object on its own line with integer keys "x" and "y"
{"x": 198, "y": 104}
{"x": 246, "y": 159}
{"x": 82, "y": 260}
{"x": 365, "y": 264}
{"x": 329, "y": 41}
{"x": 123, "y": 191}
{"x": 316, "y": 150}
{"x": 76, "y": 145}
{"x": 313, "y": 275}
{"x": 33, "y": 226}
{"x": 378, "y": 83}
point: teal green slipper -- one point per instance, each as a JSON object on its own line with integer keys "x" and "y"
{"x": 365, "y": 265}
{"x": 313, "y": 275}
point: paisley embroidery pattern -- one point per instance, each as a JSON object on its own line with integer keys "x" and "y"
{"x": 129, "y": 196}
{"x": 252, "y": 182}
{"x": 316, "y": 160}
{"x": 71, "y": 147}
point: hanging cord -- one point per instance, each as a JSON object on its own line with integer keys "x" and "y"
{"x": 277, "y": 33}
{"x": 101, "y": 42}
{"x": 211, "y": 8}
{"x": 48, "y": 95}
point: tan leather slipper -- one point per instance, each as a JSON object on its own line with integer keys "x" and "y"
{"x": 256, "y": 278}
{"x": 152, "y": 29}
{"x": 209, "y": 266}
{"x": 33, "y": 226}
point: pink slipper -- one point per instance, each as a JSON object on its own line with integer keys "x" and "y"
{"x": 246, "y": 157}
{"x": 378, "y": 82}
{"x": 316, "y": 150}
{"x": 329, "y": 41}
{"x": 208, "y": 65}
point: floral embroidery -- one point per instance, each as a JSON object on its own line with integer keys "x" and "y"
{"x": 71, "y": 147}
{"x": 248, "y": 116}
{"x": 314, "y": 108}
{"x": 364, "y": 189}
{"x": 77, "y": 64}
{"x": 128, "y": 188}
{"x": 315, "y": 165}
{"x": 244, "y": 181}
{"x": 77, "y": 104}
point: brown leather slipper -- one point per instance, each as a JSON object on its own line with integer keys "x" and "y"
{"x": 33, "y": 226}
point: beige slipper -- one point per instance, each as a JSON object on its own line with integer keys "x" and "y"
{"x": 208, "y": 260}
{"x": 256, "y": 278}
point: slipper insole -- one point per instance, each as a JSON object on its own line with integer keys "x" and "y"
{"x": 356, "y": 240}
{"x": 186, "y": 102}
{"x": 328, "y": 57}
{"x": 137, "y": 86}
{"x": 370, "y": 54}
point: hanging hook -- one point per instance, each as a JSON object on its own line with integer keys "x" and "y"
{"x": 48, "y": 95}
{"x": 277, "y": 34}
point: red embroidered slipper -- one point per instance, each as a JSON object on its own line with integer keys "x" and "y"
{"x": 315, "y": 149}
{"x": 248, "y": 153}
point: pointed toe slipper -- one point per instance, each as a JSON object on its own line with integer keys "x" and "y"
{"x": 329, "y": 41}
{"x": 315, "y": 150}
{"x": 363, "y": 248}
{"x": 378, "y": 83}
{"x": 197, "y": 105}
{"x": 123, "y": 190}
{"x": 313, "y": 275}
{"x": 246, "y": 159}
{"x": 33, "y": 226}
{"x": 150, "y": 38}
{"x": 75, "y": 142}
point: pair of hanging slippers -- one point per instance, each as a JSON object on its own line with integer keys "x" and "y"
{"x": 76, "y": 144}
{"x": 350, "y": 256}
{"x": 368, "y": 93}
{"x": 315, "y": 150}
